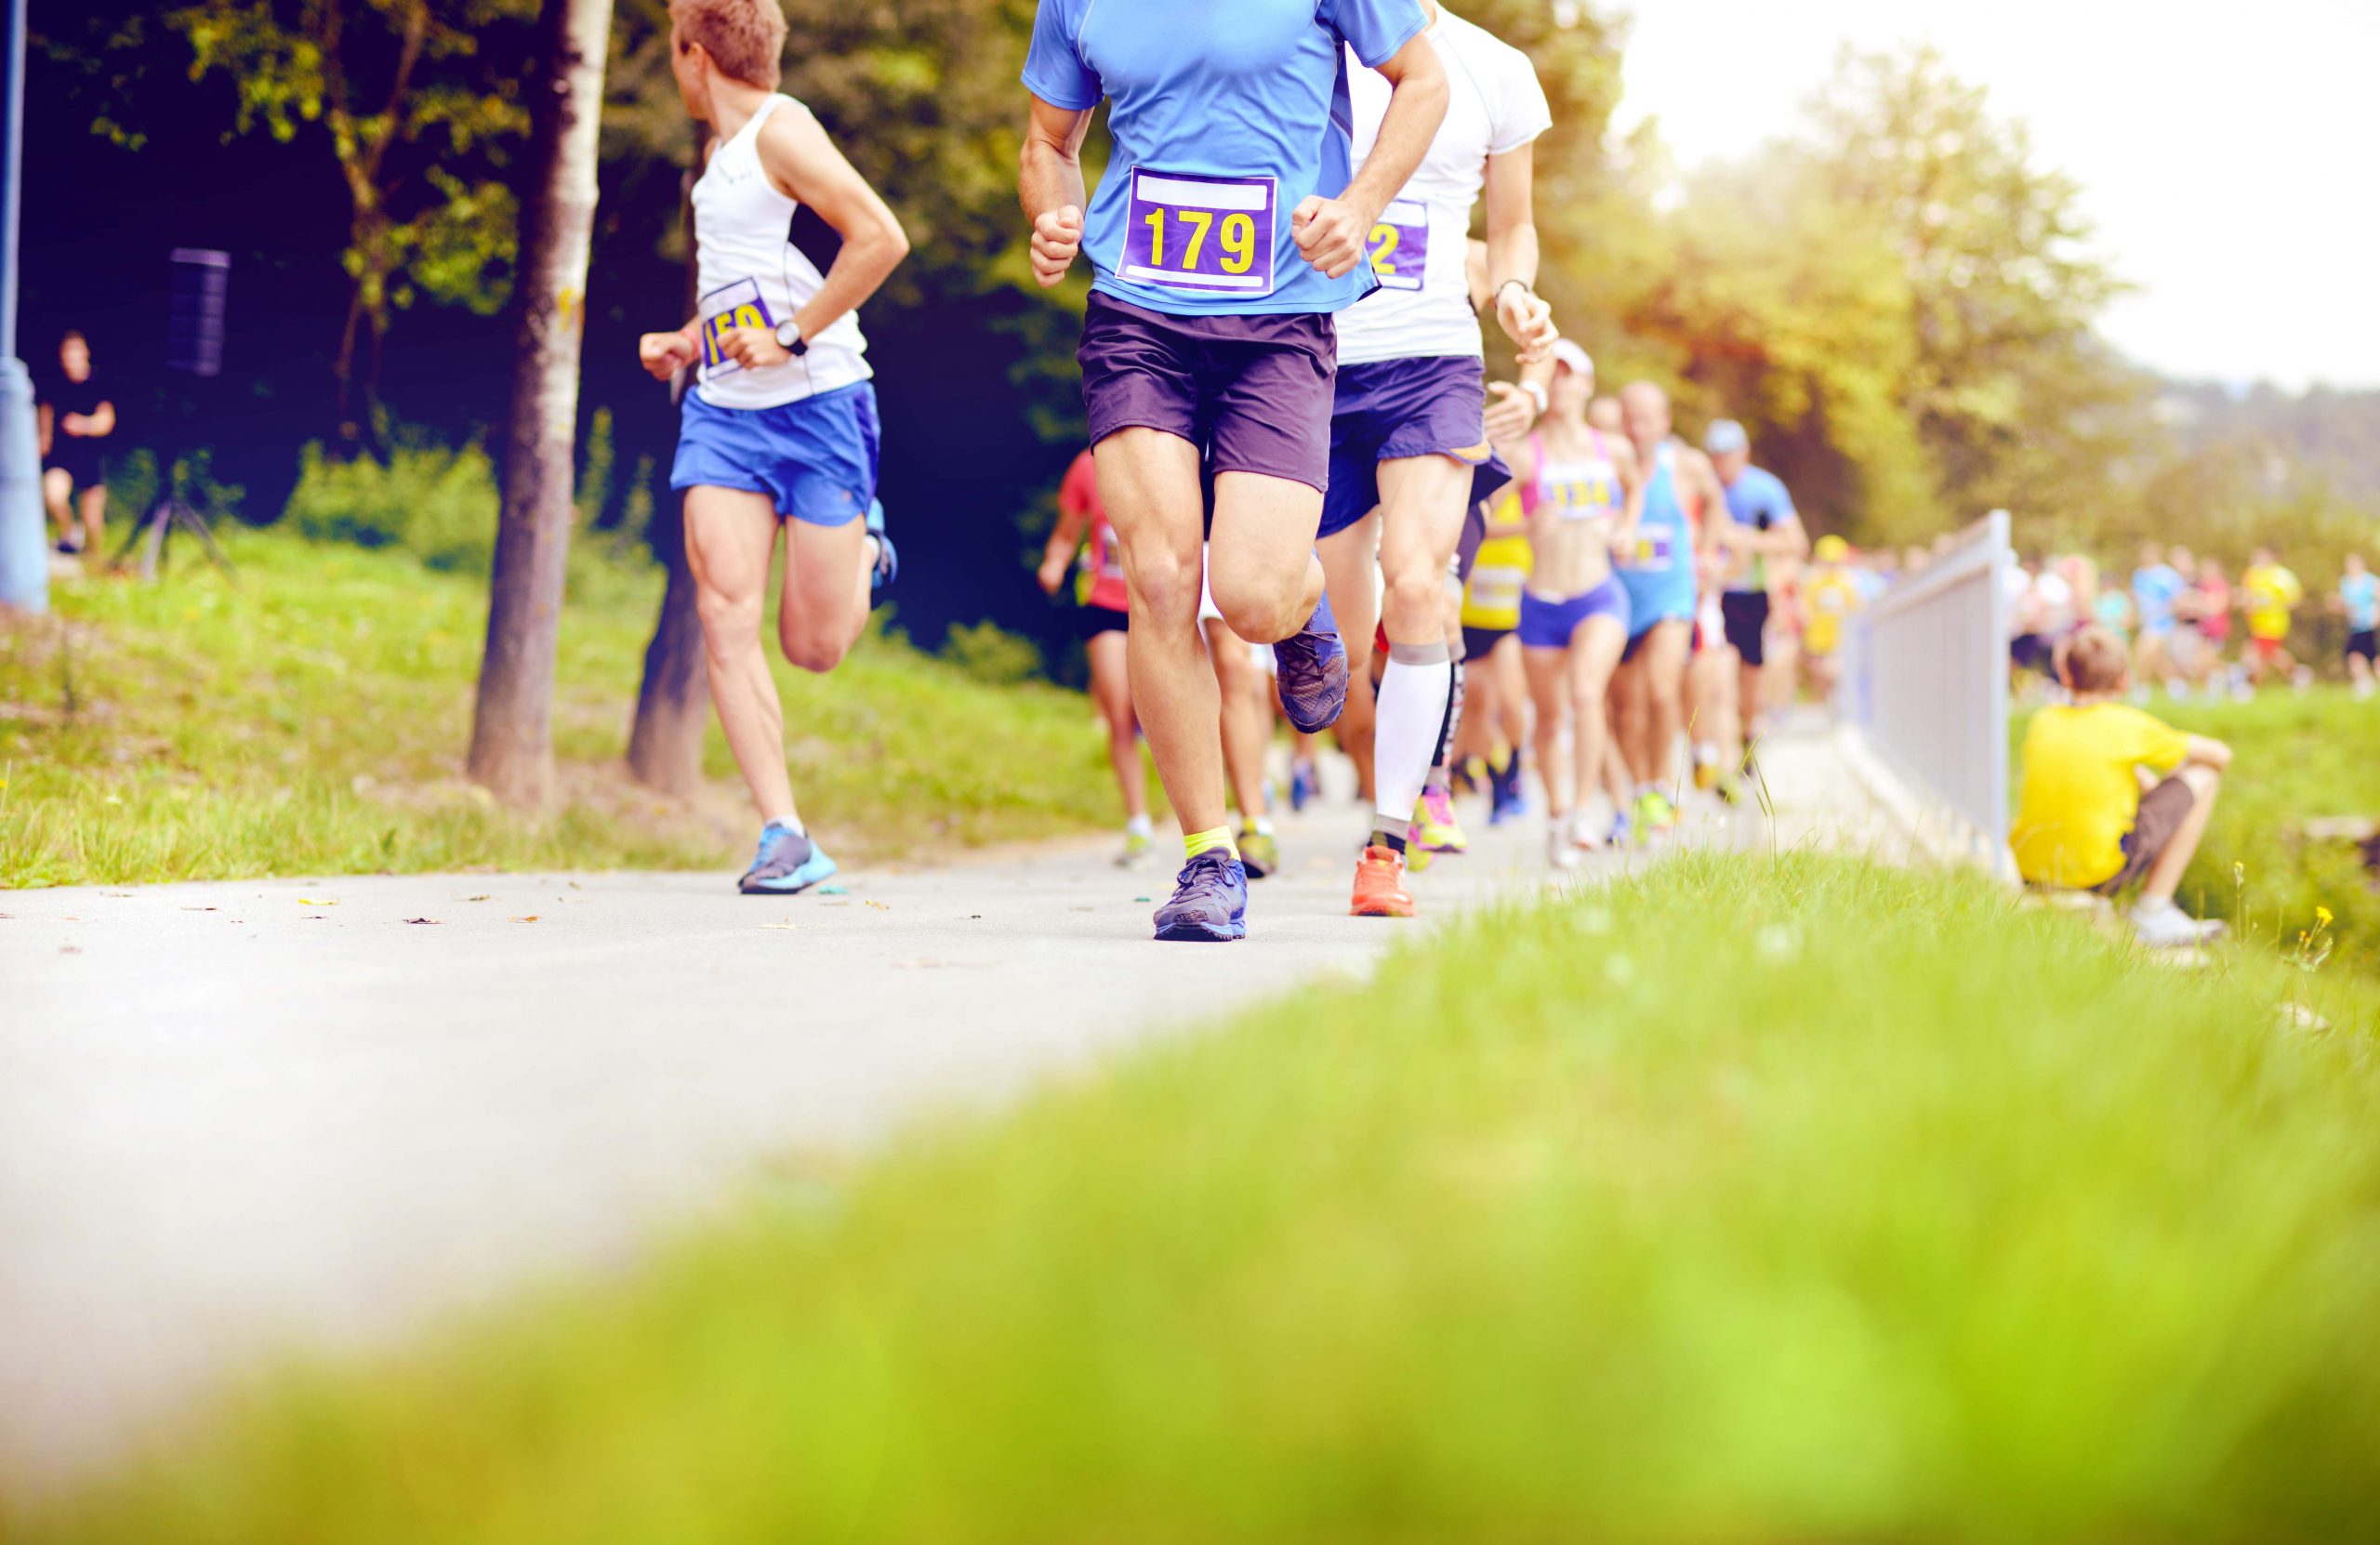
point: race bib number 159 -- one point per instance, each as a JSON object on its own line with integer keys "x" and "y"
{"x": 736, "y": 305}
{"x": 1212, "y": 235}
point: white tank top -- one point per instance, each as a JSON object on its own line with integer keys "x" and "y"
{"x": 751, "y": 274}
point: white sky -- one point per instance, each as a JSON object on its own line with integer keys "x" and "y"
{"x": 2225, "y": 152}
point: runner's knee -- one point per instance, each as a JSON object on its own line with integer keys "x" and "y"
{"x": 1165, "y": 583}
{"x": 729, "y": 621}
{"x": 1412, "y": 602}
{"x": 1264, "y": 610}
{"x": 810, "y": 648}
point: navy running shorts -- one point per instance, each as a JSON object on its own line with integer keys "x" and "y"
{"x": 1391, "y": 408}
{"x": 1251, "y": 392}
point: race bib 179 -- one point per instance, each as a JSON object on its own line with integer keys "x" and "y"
{"x": 736, "y": 305}
{"x": 1212, "y": 235}
{"x": 1399, "y": 247}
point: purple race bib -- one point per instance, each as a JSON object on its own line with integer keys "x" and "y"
{"x": 737, "y": 305}
{"x": 1654, "y": 549}
{"x": 1211, "y": 234}
{"x": 1399, "y": 247}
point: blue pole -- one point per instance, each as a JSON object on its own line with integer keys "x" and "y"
{"x": 24, "y": 540}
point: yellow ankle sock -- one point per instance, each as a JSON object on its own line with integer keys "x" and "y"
{"x": 1198, "y": 842}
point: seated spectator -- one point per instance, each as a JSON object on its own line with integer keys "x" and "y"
{"x": 2082, "y": 819}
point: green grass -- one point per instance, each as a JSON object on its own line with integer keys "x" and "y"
{"x": 1748, "y": 1201}
{"x": 310, "y": 718}
{"x": 2299, "y": 755}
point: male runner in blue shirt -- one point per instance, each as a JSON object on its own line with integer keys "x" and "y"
{"x": 1225, "y": 234}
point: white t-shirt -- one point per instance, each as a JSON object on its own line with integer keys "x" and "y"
{"x": 1494, "y": 105}
{"x": 752, "y": 275}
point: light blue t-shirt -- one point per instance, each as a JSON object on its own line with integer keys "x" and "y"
{"x": 2361, "y": 595}
{"x": 2154, "y": 591}
{"x": 1226, "y": 114}
{"x": 1757, "y": 499}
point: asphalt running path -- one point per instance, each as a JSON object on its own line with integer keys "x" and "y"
{"x": 248, "y": 1118}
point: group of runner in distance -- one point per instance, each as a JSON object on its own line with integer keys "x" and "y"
{"x": 1279, "y": 478}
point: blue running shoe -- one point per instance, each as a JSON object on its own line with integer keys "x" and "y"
{"x": 1301, "y": 783}
{"x": 888, "y": 562}
{"x": 1314, "y": 672}
{"x": 787, "y": 863}
{"x": 1209, "y": 900}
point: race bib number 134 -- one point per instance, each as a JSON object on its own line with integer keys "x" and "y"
{"x": 1211, "y": 234}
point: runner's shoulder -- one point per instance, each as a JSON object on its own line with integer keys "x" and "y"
{"x": 1523, "y": 111}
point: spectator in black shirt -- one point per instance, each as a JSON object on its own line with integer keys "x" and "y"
{"x": 75, "y": 420}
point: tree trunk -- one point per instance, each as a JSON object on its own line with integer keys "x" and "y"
{"x": 673, "y": 703}
{"x": 512, "y": 731}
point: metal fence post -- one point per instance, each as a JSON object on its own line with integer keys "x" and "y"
{"x": 24, "y": 540}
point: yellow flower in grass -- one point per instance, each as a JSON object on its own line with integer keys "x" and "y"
{"x": 2322, "y": 916}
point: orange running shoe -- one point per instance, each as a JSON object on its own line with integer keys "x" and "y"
{"x": 1380, "y": 885}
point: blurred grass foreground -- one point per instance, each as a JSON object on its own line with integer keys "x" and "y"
{"x": 1742, "y": 1201}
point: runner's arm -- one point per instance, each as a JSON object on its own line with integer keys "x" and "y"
{"x": 801, "y": 162}
{"x": 99, "y": 423}
{"x": 1631, "y": 481}
{"x": 1331, "y": 233}
{"x": 1073, "y": 514}
{"x": 44, "y": 426}
{"x": 1707, "y": 540}
{"x": 1527, "y": 319}
{"x": 1049, "y": 184}
{"x": 1519, "y": 454}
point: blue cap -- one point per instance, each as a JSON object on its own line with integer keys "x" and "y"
{"x": 1726, "y": 437}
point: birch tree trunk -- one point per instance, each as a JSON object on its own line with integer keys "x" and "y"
{"x": 512, "y": 731}
{"x": 673, "y": 702}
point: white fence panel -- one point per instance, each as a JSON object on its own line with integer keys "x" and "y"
{"x": 1925, "y": 686}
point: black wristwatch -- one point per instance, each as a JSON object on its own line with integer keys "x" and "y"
{"x": 790, "y": 339}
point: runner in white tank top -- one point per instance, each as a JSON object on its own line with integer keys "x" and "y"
{"x": 750, "y": 275}
{"x": 782, "y": 427}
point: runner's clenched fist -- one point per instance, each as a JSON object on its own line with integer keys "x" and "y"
{"x": 1057, "y": 236}
{"x": 1331, "y": 234}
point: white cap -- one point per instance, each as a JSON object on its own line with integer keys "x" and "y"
{"x": 1569, "y": 353}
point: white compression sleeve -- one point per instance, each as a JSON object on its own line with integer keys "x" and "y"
{"x": 1412, "y": 709}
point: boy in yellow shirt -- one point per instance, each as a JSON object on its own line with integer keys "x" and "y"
{"x": 2082, "y": 819}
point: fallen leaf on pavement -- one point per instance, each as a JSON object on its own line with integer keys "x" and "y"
{"x": 530, "y": 918}
{"x": 789, "y": 928}
{"x": 431, "y": 921}
{"x": 304, "y": 901}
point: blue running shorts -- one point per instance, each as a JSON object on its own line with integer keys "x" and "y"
{"x": 1552, "y": 624}
{"x": 814, "y": 459}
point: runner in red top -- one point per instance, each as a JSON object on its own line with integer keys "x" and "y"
{"x": 1101, "y": 619}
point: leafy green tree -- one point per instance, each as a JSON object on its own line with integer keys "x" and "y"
{"x": 2011, "y": 392}
{"x": 417, "y": 112}
{"x": 410, "y": 109}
